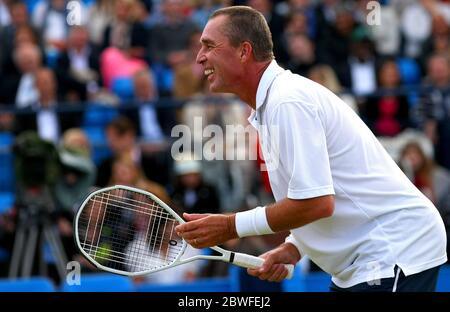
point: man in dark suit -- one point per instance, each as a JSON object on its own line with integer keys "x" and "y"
{"x": 78, "y": 67}
{"x": 43, "y": 115}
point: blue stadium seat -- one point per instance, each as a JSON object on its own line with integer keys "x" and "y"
{"x": 100, "y": 282}
{"x": 443, "y": 283}
{"x": 7, "y": 184}
{"x": 6, "y": 201}
{"x": 34, "y": 284}
{"x": 97, "y": 115}
{"x": 97, "y": 138}
{"x": 31, "y": 4}
{"x": 123, "y": 87}
{"x": 6, "y": 139}
{"x": 409, "y": 71}
{"x": 203, "y": 285}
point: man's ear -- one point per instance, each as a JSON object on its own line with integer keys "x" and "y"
{"x": 246, "y": 51}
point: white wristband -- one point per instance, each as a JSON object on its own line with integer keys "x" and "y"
{"x": 252, "y": 222}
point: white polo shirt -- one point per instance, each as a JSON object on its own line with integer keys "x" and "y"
{"x": 315, "y": 145}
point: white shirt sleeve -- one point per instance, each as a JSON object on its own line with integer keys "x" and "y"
{"x": 302, "y": 149}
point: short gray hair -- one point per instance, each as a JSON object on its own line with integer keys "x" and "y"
{"x": 247, "y": 24}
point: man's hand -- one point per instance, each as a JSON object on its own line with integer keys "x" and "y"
{"x": 273, "y": 268}
{"x": 206, "y": 230}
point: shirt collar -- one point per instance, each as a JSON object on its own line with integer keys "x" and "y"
{"x": 267, "y": 78}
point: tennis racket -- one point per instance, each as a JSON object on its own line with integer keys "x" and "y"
{"x": 128, "y": 231}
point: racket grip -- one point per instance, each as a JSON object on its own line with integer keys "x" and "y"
{"x": 252, "y": 262}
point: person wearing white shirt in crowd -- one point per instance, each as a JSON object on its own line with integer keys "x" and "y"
{"x": 347, "y": 204}
{"x": 28, "y": 59}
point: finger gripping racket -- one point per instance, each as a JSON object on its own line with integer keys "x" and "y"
{"x": 129, "y": 231}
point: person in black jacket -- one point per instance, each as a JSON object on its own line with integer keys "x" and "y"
{"x": 78, "y": 66}
{"x": 191, "y": 194}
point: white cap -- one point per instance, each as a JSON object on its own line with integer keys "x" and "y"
{"x": 187, "y": 166}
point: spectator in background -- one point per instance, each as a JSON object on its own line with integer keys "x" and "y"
{"x": 78, "y": 67}
{"x": 100, "y": 15}
{"x": 169, "y": 43}
{"x": 387, "y": 114}
{"x": 77, "y": 176}
{"x": 21, "y": 88}
{"x": 202, "y": 9}
{"x": 191, "y": 194}
{"x": 121, "y": 137}
{"x": 439, "y": 41}
{"x": 436, "y": 107}
{"x": 386, "y": 35}
{"x": 50, "y": 17}
{"x": 188, "y": 75}
{"x": 274, "y": 20}
{"x": 432, "y": 180}
{"x": 12, "y": 80}
{"x": 126, "y": 172}
{"x": 77, "y": 170}
{"x": 416, "y": 24}
{"x": 295, "y": 24}
{"x": 333, "y": 46}
{"x": 361, "y": 70}
{"x": 42, "y": 115}
{"x": 125, "y": 32}
{"x": 8, "y": 35}
{"x": 301, "y": 54}
{"x": 123, "y": 50}
{"x": 154, "y": 124}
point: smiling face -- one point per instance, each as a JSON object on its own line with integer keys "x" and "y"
{"x": 220, "y": 60}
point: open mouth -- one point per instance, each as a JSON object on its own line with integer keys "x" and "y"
{"x": 208, "y": 72}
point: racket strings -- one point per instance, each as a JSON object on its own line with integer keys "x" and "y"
{"x": 128, "y": 231}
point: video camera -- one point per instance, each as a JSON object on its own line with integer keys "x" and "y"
{"x": 36, "y": 168}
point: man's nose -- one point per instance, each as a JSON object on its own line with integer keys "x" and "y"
{"x": 200, "y": 57}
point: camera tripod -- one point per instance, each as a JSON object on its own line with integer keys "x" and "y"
{"x": 34, "y": 223}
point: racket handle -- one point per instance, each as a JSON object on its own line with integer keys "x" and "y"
{"x": 252, "y": 262}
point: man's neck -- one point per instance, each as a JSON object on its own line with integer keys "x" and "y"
{"x": 252, "y": 82}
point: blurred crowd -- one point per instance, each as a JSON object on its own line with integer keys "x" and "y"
{"x": 107, "y": 86}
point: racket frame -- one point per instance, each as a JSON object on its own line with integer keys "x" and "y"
{"x": 226, "y": 255}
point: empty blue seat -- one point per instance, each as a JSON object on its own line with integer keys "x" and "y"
{"x": 34, "y": 284}
{"x": 97, "y": 115}
{"x": 97, "y": 138}
{"x": 409, "y": 71}
{"x": 123, "y": 87}
{"x": 100, "y": 282}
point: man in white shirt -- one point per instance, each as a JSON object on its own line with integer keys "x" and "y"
{"x": 346, "y": 203}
